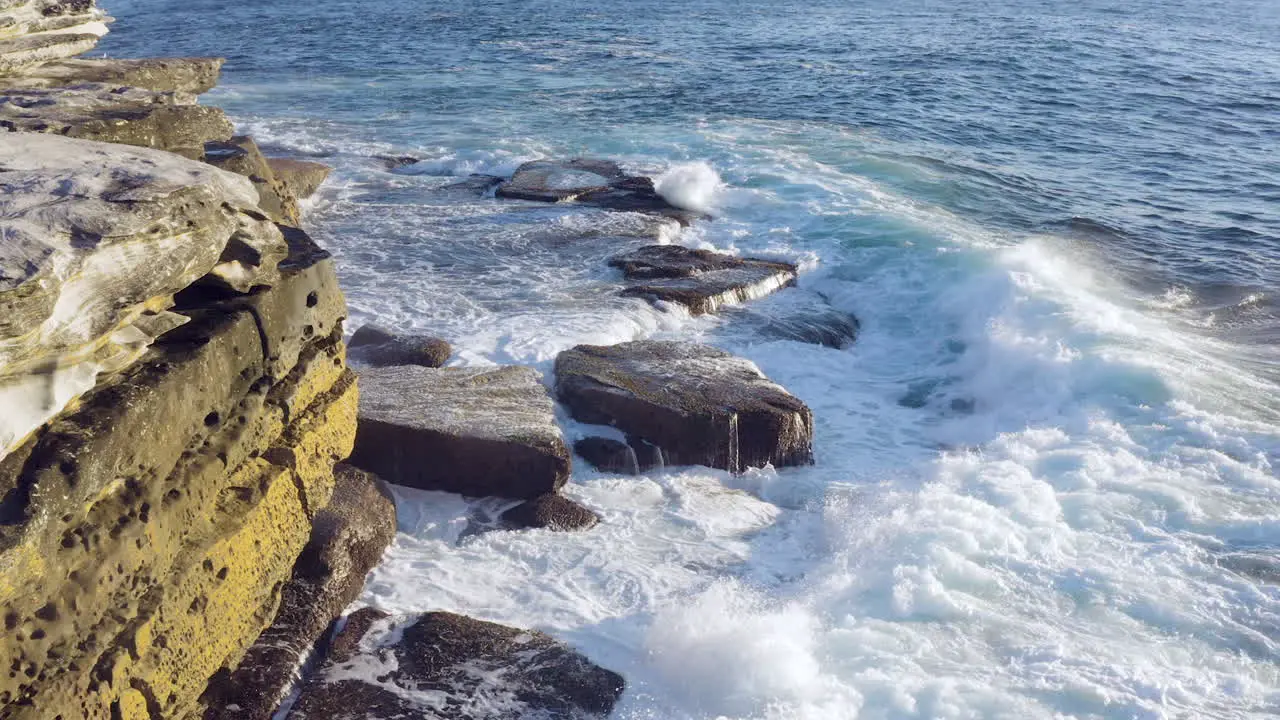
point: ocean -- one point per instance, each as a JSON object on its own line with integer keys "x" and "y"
{"x": 1046, "y": 480}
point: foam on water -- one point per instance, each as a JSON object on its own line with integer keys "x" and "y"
{"x": 1040, "y": 491}
{"x": 692, "y": 186}
{"x": 1037, "y": 533}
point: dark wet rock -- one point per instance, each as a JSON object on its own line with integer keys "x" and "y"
{"x": 242, "y": 156}
{"x": 394, "y": 162}
{"x": 627, "y": 458}
{"x": 347, "y": 540}
{"x": 608, "y": 455}
{"x": 599, "y": 183}
{"x": 301, "y": 178}
{"x": 551, "y": 511}
{"x": 1259, "y": 565}
{"x": 377, "y": 347}
{"x": 699, "y": 404}
{"x": 472, "y": 431}
{"x": 648, "y": 456}
{"x": 441, "y": 665}
{"x": 700, "y": 280}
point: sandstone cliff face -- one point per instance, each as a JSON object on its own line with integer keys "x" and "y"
{"x": 174, "y": 386}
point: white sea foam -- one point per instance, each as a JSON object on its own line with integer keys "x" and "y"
{"x": 1032, "y": 499}
{"x": 692, "y": 186}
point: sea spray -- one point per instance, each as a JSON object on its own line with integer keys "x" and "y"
{"x": 692, "y": 186}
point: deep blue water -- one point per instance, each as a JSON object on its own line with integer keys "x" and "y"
{"x": 1047, "y": 470}
{"x": 1148, "y": 129}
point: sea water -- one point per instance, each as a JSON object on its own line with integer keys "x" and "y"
{"x": 1046, "y": 479}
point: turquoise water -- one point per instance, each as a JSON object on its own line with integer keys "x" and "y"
{"x": 1046, "y": 481}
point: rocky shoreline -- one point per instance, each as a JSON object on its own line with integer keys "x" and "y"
{"x": 192, "y": 476}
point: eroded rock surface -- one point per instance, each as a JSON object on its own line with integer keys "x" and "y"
{"x": 699, "y": 404}
{"x": 439, "y": 666}
{"x": 700, "y": 280}
{"x": 189, "y": 76}
{"x": 472, "y": 431}
{"x": 173, "y": 397}
{"x": 111, "y": 113}
{"x": 98, "y": 238}
{"x": 134, "y": 571}
{"x": 33, "y": 32}
{"x": 347, "y": 540}
{"x": 300, "y": 178}
{"x": 241, "y": 155}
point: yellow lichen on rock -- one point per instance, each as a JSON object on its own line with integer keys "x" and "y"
{"x": 223, "y": 602}
{"x": 324, "y": 435}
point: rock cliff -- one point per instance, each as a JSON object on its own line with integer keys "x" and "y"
{"x": 175, "y": 392}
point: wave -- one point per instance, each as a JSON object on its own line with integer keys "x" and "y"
{"x": 692, "y": 186}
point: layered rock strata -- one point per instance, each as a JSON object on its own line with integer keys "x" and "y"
{"x": 700, "y": 280}
{"x": 44, "y": 88}
{"x": 241, "y": 155}
{"x": 175, "y": 397}
{"x": 97, "y": 240}
{"x": 477, "y": 432}
{"x": 699, "y": 404}
{"x": 33, "y": 32}
{"x": 147, "y": 529}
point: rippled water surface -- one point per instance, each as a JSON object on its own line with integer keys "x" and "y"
{"x": 1046, "y": 481}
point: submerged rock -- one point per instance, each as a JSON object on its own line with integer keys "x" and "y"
{"x": 552, "y": 512}
{"x": 472, "y": 431}
{"x": 440, "y": 665}
{"x": 377, "y": 347}
{"x": 700, "y": 280}
{"x": 551, "y": 181}
{"x": 832, "y": 328}
{"x": 394, "y": 162}
{"x": 796, "y": 315}
{"x": 347, "y": 540}
{"x": 477, "y": 183}
{"x": 699, "y": 404}
{"x": 599, "y": 183}
{"x": 98, "y": 238}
